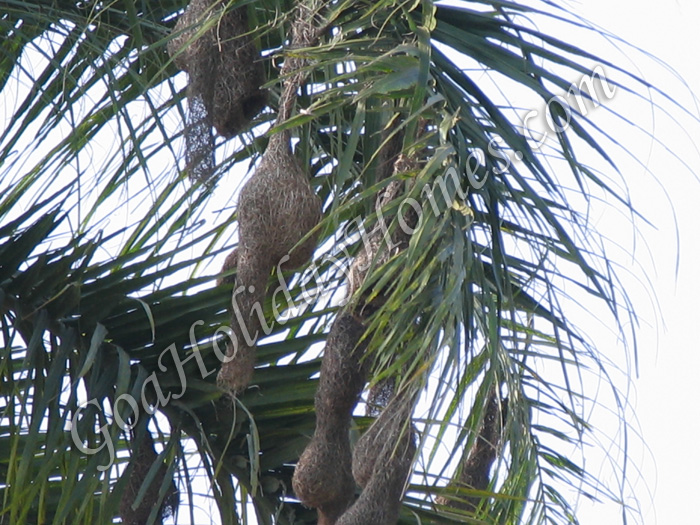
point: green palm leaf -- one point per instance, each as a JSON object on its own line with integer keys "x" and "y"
{"x": 108, "y": 257}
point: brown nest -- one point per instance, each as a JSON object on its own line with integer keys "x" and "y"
{"x": 323, "y": 475}
{"x": 381, "y": 464}
{"x": 142, "y": 459}
{"x": 246, "y": 323}
{"x": 277, "y": 208}
{"x": 278, "y": 212}
{"x": 378, "y": 249}
{"x": 343, "y": 373}
{"x": 387, "y": 429}
{"x": 214, "y": 46}
{"x": 474, "y": 471}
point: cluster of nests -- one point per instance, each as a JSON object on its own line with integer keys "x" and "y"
{"x": 278, "y": 214}
{"x": 328, "y": 470}
{"x": 278, "y": 211}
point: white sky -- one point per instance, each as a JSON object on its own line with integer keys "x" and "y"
{"x": 666, "y": 394}
{"x": 665, "y": 458}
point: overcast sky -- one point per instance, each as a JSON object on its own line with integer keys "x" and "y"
{"x": 657, "y": 265}
{"x": 661, "y": 267}
{"x": 665, "y": 395}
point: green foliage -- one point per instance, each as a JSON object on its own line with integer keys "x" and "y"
{"x": 106, "y": 249}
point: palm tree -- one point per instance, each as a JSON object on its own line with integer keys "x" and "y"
{"x": 118, "y": 204}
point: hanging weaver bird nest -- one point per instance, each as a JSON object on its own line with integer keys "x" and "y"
{"x": 277, "y": 208}
{"x": 381, "y": 464}
{"x": 143, "y": 458}
{"x": 386, "y": 429}
{"x": 323, "y": 475}
{"x": 343, "y": 372}
{"x": 230, "y": 263}
{"x": 474, "y": 471}
{"x": 278, "y": 212}
{"x": 214, "y": 46}
{"x": 246, "y": 319}
{"x": 378, "y": 249}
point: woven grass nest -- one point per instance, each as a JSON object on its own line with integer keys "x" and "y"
{"x": 277, "y": 207}
{"x": 251, "y": 281}
{"x": 327, "y": 472}
{"x": 215, "y": 47}
{"x": 377, "y": 250}
{"x": 475, "y": 468}
{"x": 381, "y": 465}
{"x": 323, "y": 475}
{"x": 143, "y": 458}
{"x": 277, "y": 210}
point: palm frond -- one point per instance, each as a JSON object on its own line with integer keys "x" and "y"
{"x": 108, "y": 256}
